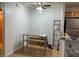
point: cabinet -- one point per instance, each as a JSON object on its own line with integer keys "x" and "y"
{"x": 75, "y": 14}
{"x": 68, "y": 14}
{"x": 72, "y": 14}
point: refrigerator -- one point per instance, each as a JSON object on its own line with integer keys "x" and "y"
{"x": 71, "y": 25}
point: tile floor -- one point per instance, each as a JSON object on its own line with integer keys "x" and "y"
{"x": 31, "y": 52}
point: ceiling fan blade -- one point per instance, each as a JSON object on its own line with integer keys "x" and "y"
{"x": 46, "y": 5}
{"x": 43, "y": 7}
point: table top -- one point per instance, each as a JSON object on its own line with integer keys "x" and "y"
{"x": 34, "y": 35}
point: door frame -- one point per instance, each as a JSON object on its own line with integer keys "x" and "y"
{"x": 3, "y": 28}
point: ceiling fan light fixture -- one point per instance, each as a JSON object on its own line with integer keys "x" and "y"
{"x": 40, "y": 9}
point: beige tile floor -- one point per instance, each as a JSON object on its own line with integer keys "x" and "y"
{"x": 32, "y": 52}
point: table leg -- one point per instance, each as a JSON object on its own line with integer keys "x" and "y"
{"x": 27, "y": 41}
{"x": 23, "y": 42}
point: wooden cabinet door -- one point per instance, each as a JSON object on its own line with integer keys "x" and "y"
{"x": 75, "y": 13}
{"x": 68, "y": 14}
{"x": 1, "y": 26}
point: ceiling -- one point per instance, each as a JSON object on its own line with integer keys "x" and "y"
{"x": 67, "y": 4}
{"x": 34, "y": 4}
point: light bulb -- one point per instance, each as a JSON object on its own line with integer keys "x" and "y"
{"x": 39, "y": 9}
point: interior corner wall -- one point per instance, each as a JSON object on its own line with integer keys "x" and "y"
{"x": 42, "y": 23}
{"x": 16, "y": 24}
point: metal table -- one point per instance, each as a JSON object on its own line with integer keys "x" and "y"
{"x": 45, "y": 48}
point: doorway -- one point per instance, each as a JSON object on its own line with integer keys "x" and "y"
{"x": 1, "y": 37}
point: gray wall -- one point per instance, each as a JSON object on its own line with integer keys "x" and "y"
{"x": 16, "y": 23}
{"x": 20, "y": 20}
{"x": 42, "y": 23}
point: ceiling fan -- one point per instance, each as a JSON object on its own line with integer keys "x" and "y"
{"x": 44, "y": 5}
{"x": 38, "y": 5}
